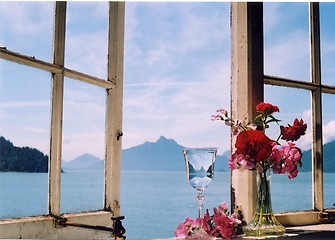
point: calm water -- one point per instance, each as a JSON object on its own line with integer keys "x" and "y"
{"x": 154, "y": 203}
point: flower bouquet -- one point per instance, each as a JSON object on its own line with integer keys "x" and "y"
{"x": 254, "y": 150}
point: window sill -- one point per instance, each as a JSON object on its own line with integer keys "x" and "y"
{"x": 44, "y": 227}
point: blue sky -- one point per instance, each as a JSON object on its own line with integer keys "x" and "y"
{"x": 176, "y": 74}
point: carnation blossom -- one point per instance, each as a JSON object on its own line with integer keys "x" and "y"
{"x": 253, "y": 143}
{"x": 266, "y": 108}
{"x": 293, "y": 133}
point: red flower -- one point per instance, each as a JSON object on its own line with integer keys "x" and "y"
{"x": 266, "y": 108}
{"x": 255, "y": 144}
{"x": 293, "y": 133}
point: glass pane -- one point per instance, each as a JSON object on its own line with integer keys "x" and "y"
{"x": 24, "y": 124}
{"x": 177, "y": 74}
{"x": 82, "y": 182}
{"x": 86, "y": 37}
{"x": 299, "y": 188}
{"x": 328, "y": 115}
{"x": 327, "y": 19}
{"x": 286, "y": 40}
{"x": 27, "y": 27}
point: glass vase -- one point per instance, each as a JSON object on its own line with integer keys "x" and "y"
{"x": 264, "y": 222}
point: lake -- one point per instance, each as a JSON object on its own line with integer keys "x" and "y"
{"x": 154, "y": 203}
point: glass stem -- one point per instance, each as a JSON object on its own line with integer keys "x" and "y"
{"x": 200, "y": 199}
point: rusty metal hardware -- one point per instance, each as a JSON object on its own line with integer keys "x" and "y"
{"x": 117, "y": 228}
{"x": 119, "y": 135}
{"x": 327, "y": 217}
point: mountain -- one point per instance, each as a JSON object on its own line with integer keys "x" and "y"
{"x": 21, "y": 159}
{"x": 84, "y": 161}
{"x": 328, "y": 158}
{"x": 162, "y": 155}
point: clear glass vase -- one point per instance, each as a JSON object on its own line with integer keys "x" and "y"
{"x": 264, "y": 222}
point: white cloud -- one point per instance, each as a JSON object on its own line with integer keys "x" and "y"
{"x": 329, "y": 132}
{"x": 25, "y": 20}
{"x": 183, "y": 115}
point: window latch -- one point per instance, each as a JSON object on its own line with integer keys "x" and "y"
{"x": 119, "y": 135}
{"x": 117, "y": 228}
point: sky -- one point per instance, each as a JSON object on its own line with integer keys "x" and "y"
{"x": 176, "y": 72}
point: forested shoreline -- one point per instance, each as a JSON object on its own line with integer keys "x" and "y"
{"x": 21, "y": 159}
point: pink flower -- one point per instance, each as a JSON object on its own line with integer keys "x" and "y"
{"x": 222, "y": 111}
{"x": 224, "y": 224}
{"x": 193, "y": 229}
{"x": 216, "y": 117}
{"x": 223, "y": 206}
{"x": 181, "y": 230}
{"x": 285, "y": 159}
{"x": 293, "y": 173}
{"x": 217, "y": 225}
{"x": 234, "y": 161}
{"x": 237, "y": 127}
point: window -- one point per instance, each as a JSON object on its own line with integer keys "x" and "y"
{"x": 84, "y": 87}
{"x": 310, "y": 94}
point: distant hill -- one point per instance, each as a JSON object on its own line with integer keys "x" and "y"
{"x": 21, "y": 159}
{"x": 166, "y": 155}
{"x": 84, "y": 161}
{"x": 328, "y": 158}
{"x": 162, "y": 155}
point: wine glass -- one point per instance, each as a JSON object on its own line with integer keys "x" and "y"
{"x": 200, "y": 170}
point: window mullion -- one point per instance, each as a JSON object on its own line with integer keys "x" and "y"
{"x": 114, "y": 107}
{"x": 57, "y": 110}
{"x": 316, "y": 107}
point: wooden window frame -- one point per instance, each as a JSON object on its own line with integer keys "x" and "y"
{"x": 44, "y": 226}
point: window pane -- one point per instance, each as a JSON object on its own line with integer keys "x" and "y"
{"x": 286, "y": 40}
{"x": 327, "y": 19}
{"x": 26, "y": 27}
{"x": 328, "y": 114}
{"x": 24, "y": 121}
{"x": 299, "y": 188}
{"x": 86, "y": 37}
{"x": 83, "y": 147}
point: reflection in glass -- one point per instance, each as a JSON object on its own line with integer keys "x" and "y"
{"x": 200, "y": 170}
